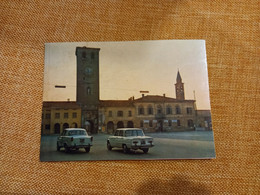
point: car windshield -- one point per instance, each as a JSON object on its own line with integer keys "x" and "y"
{"x": 77, "y": 132}
{"x": 134, "y": 133}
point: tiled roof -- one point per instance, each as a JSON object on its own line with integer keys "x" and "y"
{"x": 116, "y": 103}
{"x": 158, "y": 98}
{"x": 60, "y": 105}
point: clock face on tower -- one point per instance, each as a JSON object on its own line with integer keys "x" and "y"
{"x": 88, "y": 70}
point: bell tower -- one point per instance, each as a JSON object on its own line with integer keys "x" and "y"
{"x": 179, "y": 87}
{"x": 88, "y": 86}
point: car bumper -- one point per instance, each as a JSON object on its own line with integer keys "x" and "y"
{"x": 135, "y": 147}
{"x": 79, "y": 146}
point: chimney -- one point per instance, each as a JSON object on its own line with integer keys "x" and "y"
{"x": 68, "y": 99}
{"x": 142, "y": 95}
{"x": 164, "y": 95}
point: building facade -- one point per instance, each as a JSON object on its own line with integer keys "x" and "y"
{"x": 204, "y": 120}
{"x": 151, "y": 113}
{"x": 56, "y": 116}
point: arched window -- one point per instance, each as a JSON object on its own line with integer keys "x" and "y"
{"x": 177, "y": 109}
{"x": 150, "y": 110}
{"x": 65, "y": 125}
{"x": 120, "y": 124}
{"x": 141, "y": 110}
{"x": 130, "y": 124}
{"x": 75, "y": 125}
{"x": 110, "y": 127}
{"x": 168, "y": 109}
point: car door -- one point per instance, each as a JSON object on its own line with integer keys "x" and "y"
{"x": 113, "y": 139}
{"x": 61, "y": 138}
{"x": 120, "y": 139}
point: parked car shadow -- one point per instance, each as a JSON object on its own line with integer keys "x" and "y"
{"x": 130, "y": 152}
{"x": 80, "y": 151}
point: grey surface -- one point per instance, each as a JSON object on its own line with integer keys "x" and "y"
{"x": 174, "y": 145}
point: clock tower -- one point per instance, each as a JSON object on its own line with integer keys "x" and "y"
{"x": 88, "y": 86}
{"x": 179, "y": 87}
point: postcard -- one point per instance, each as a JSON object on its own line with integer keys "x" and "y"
{"x": 129, "y": 100}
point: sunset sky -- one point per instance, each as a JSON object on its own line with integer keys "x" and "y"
{"x": 126, "y": 68}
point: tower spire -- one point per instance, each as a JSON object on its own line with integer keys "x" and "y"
{"x": 178, "y": 79}
{"x": 179, "y": 87}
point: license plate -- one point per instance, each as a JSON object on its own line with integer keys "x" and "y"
{"x": 81, "y": 140}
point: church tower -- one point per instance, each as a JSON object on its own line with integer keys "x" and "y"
{"x": 179, "y": 87}
{"x": 88, "y": 86}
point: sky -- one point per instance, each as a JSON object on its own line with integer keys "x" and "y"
{"x": 126, "y": 68}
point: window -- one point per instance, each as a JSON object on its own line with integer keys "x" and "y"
{"x": 57, "y": 115}
{"x": 134, "y": 133}
{"x": 129, "y": 113}
{"x": 110, "y": 113}
{"x": 77, "y": 132}
{"x": 66, "y": 115}
{"x": 178, "y": 109}
{"x": 150, "y": 110}
{"x": 141, "y": 110}
{"x": 64, "y": 132}
{"x": 120, "y": 113}
{"x": 121, "y": 133}
{"x": 117, "y": 133}
{"x": 189, "y": 110}
{"x": 178, "y": 123}
{"x": 169, "y": 110}
{"x": 170, "y": 123}
{"x": 159, "y": 109}
{"x": 88, "y": 91}
{"x": 48, "y": 116}
{"x": 190, "y": 123}
{"x": 74, "y": 115}
{"x": 47, "y": 127}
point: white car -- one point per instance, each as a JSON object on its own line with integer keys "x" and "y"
{"x": 130, "y": 138}
{"x": 74, "y": 138}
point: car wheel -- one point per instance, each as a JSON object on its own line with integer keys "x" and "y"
{"x": 109, "y": 147}
{"x": 125, "y": 149}
{"x": 58, "y": 147}
{"x": 87, "y": 149}
{"x": 146, "y": 150}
